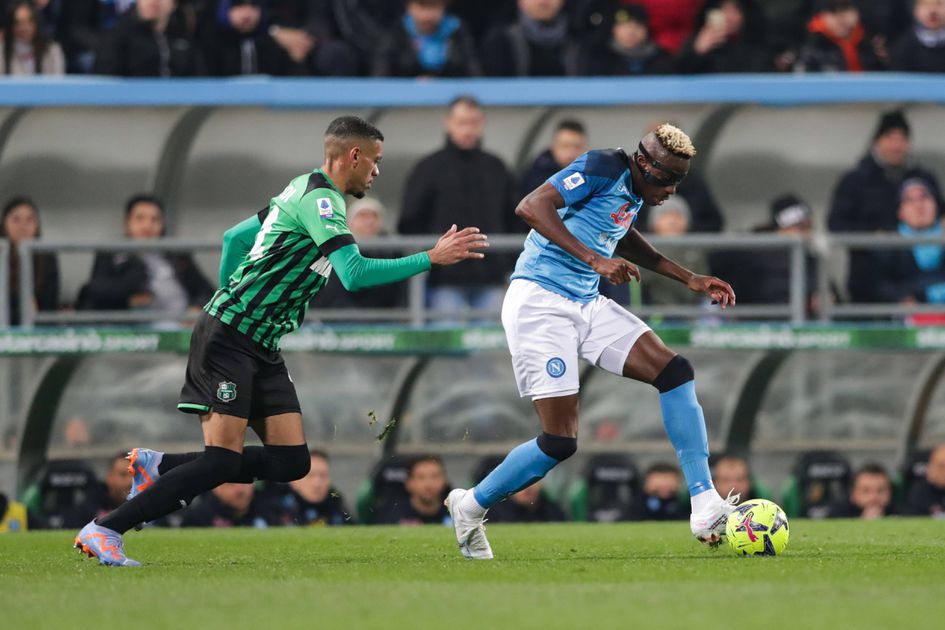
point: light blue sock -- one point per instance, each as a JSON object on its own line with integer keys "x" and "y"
{"x": 685, "y": 425}
{"x": 524, "y": 465}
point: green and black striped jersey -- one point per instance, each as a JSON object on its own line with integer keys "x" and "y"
{"x": 268, "y": 294}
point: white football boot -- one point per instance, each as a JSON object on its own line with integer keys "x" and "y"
{"x": 708, "y": 526}
{"x": 470, "y": 531}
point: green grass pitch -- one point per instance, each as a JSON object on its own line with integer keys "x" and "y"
{"x": 835, "y": 574}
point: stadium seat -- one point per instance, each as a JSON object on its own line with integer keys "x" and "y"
{"x": 820, "y": 478}
{"x": 384, "y": 486}
{"x": 604, "y": 494}
{"x": 61, "y": 495}
{"x": 913, "y": 469}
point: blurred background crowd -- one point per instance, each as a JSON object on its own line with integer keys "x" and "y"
{"x": 468, "y": 38}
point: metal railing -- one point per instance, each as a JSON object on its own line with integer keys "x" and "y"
{"x": 416, "y": 313}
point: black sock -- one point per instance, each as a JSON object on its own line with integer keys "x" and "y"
{"x": 175, "y": 489}
{"x": 172, "y": 460}
{"x": 275, "y": 463}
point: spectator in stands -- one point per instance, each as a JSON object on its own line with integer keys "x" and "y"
{"x": 764, "y": 276}
{"x": 459, "y": 184}
{"x": 567, "y": 144}
{"x": 660, "y": 500}
{"x": 426, "y": 487}
{"x": 92, "y": 498}
{"x": 117, "y": 483}
{"x": 916, "y": 274}
{"x": 311, "y": 32}
{"x": 865, "y": 199}
{"x": 870, "y": 497}
{"x": 480, "y": 16}
{"x": 731, "y": 472}
{"x": 927, "y": 496}
{"x": 149, "y": 41}
{"x": 238, "y": 42}
{"x": 838, "y": 42}
{"x": 13, "y": 516}
{"x": 365, "y": 221}
{"x": 671, "y": 21}
{"x": 427, "y": 42}
{"x": 628, "y": 51}
{"x": 922, "y": 47}
{"x": 168, "y": 283}
{"x": 729, "y": 37}
{"x": 227, "y": 505}
{"x": 26, "y": 46}
{"x": 530, "y": 505}
{"x": 535, "y": 45}
{"x": 311, "y": 500}
{"x": 671, "y": 220}
{"x": 19, "y": 222}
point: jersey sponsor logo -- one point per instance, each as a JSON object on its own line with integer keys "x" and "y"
{"x": 556, "y": 367}
{"x": 324, "y": 208}
{"x": 226, "y": 391}
{"x": 322, "y": 267}
{"x": 573, "y": 180}
{"x": 624, "y": 216}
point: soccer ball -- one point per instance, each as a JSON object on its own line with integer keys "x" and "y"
{"x": 757, "y": 527}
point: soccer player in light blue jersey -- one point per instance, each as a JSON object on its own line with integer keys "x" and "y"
{"x": 553, "y": 315}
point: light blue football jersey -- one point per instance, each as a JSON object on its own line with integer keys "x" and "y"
{"x": 599, "y": 210}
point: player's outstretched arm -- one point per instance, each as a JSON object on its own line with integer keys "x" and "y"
{"x": 539, "y": 209}
{"x": 358, "y": 272}
{"x": 637, "y": 249}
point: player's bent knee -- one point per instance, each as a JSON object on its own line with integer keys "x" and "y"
{"x": 556, "y": 446}
{"x": 677, "y": 372}
{"x": 288, "y": 463}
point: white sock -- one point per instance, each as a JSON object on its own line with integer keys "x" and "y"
{"x": 470, "y": 507}
{"x": 704, "y": 501}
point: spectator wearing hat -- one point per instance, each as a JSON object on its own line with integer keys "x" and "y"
{"x": 238, "y": 43}
{"x": 870, "y": 496}
{"x": 927, "y": 496}
{"x": 429, "y": 42}
{"x": 729, "y": 37}
{"x": 764, "y": 276}
{"x": 837, "y": 41}
{"x": 866, "y": 198}
{"x": 916, "y": 274}
{"x": 567, "y": 144}
{"x": 366, "y": 222}
{"x": 922, "y": 48}
{"x": 671, "y": 219}
{"x": 628, "y": 51}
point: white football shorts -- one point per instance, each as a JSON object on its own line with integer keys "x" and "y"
{"x": 547, "y": 333}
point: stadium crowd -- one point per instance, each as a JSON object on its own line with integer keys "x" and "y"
{"x": 887, "y": 190}
{"x": 468, "y": 38}
{"x": 410, "y": 491}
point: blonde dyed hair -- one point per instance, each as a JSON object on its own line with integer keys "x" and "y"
{"x": 675, "y": 140}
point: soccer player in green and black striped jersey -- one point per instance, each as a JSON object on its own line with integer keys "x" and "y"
{"x": 273, "y": 264}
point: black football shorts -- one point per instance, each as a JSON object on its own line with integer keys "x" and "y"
{"x": 229, "y": 373}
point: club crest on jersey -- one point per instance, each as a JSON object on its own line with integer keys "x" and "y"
{"x": 556, "y": 367}
{"x": 624, "y": 216}
{"x": 324, "y": 208}
{"x": 573, "y": 180}
{"x": 226, "y": 391}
